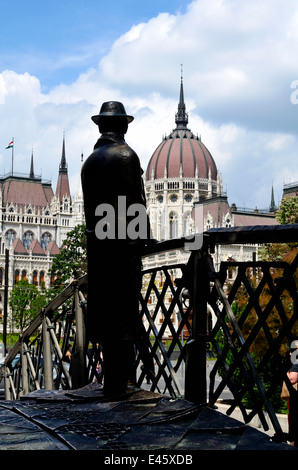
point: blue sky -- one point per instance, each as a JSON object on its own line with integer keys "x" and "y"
{"x": 60, "y": 60}
{"x": 55, "y": 40}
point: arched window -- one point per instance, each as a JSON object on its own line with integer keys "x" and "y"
{"x": 1, "y": 276}
{"x": 16, "y": 276}
{"x": 41, "y": 279}
{"x": 173, "y": 221}
{"x": 24, "y": 275}
{"x": 28, "y": 237}
{"x": 187, "y": 223}
{"x": 10, "y": 236}
{"x": 45, "y": 240}
{"x": 34, "y": 278}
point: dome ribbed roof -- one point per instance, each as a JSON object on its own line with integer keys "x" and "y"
{"x": 181, "y": 150}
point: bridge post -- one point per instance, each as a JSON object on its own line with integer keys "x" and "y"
{"x": 78, "y": 358}
{"x": 9, "y": 395}
{"x": 24, "y": 362}
{"x": 195, "y": 362}
{"x": 47, "y": 355}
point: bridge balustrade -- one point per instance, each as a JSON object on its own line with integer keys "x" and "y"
{"x": 175, "y": 328}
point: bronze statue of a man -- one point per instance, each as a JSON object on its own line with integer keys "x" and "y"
{"x": 112, "y": 185}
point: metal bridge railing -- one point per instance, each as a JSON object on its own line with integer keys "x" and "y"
{"x": 38, "y": 360}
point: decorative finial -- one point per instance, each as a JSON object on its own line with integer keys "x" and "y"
{"x": 181, "y": 117}
{"x": 31, "y": 174}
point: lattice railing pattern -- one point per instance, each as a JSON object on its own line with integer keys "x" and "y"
{"x": 268, "y": 317}
{"x": 165, "y": 319}
{"x": 257, "y": 305}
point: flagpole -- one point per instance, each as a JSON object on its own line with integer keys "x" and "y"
{"x": 12, "y": 156}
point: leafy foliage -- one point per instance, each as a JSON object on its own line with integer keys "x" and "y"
{"x": 288, "y": 211}
{"x": 247, "y": 314}
{"x": 71, "y": 262}
{"x": 26, "y": 301}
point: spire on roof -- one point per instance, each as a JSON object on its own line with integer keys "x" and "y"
{"x": 31, "y": 175}
{"x": 272, "y": 207}
{"x": 62, "y": 189}
{"x": 63, "y": 164}
{"x": 181, "y": 117}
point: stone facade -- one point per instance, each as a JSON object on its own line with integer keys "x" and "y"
{"x": 34, "y": 221}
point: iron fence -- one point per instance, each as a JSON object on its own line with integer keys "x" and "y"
{"x": 175, "y": 328}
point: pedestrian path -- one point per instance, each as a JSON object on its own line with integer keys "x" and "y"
{"x": 256, "y": 422}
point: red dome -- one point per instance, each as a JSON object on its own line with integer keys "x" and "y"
{"x": 181, "y": 148}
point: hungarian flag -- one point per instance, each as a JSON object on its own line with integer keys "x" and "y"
{"x": 10, "y": 145}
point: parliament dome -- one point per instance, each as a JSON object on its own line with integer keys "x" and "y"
{"x": 180, "y": 172}
{"x": 181, "y": 153}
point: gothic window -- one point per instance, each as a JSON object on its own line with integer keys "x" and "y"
{"x": 230, "y": 273}
{"x": 188, "y": 198}
{"x": 187, "y": 223}
{"x": 227, "y": 221}
{"x": 209, "y": 222}
{"x": 10, "y": 236}
{"x": 160, "y": 199}
{"x": 24, "y": 275}
{"x": 188, "y": 185}
{"x": 34, "y": 278}
{"x": 45, "y": 240}
{"x": 173, "y": 221}
{"x": 16, "y": 276}
{"x": 28, "y": 237}
{"x": 41, "y": 278}
{"x": 173, "y": 197}
{"x": 1, "y": 276}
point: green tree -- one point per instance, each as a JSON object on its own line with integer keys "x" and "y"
{"x": 287, "y": 214}
{"x": 26, "y": 301}
{"x": 288, "y": 211}
{"x": 71, "y": 262}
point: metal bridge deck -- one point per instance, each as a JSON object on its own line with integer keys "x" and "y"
{"x": 86, "y": 420}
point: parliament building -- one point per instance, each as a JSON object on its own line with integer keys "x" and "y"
{"x": 184, "y": 193}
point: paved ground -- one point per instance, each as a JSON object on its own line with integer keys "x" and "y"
{"x": 142, "y": 421}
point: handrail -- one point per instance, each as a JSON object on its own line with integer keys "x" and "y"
{"x": 47, "y": 310}
{"x": 254, "y": 234}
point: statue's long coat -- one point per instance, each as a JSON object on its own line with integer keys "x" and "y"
{"x": 112, "y": 170}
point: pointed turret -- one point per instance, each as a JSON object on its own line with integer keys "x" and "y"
{"x": 31, "y": 175}
{"x": 181, "y": 117}
{"x": 63, "y": 164}
{"x": 272, "y": 207}
{"x": 78, "y": 203}
{"x": 62, "y": 189}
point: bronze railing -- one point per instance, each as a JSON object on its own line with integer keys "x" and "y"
{"x": 176, "y": 334}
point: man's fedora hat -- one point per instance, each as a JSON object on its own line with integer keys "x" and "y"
{"x": 111, "y": 109}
